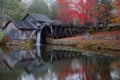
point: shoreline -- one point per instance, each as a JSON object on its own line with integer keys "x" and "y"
{"x": 95, "y": 42}
{"x": 95, "y": 45}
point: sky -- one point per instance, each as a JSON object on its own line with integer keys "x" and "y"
{"x": 27, "y": 1}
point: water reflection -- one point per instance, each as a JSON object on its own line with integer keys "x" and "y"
{"x": 48, "y": 63}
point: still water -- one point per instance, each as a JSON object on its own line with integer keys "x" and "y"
{"x": 56, "y": 63}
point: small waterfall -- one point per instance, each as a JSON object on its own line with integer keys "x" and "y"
{"x": 38, "y": 50}
{"x": 38, "y": 37}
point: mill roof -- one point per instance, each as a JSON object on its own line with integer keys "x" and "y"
{"x": 28, "y": 24}
{"x": 39, "y": 17}
{"x": 20, "y": 24}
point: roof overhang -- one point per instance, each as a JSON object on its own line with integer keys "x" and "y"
{"x": 8, "y": 23}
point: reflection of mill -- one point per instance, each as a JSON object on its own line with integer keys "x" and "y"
{"x": 43, "y": 61}
{"x": 38, "y": 59}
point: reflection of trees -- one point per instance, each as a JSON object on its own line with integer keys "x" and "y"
{"x": 92, "y": 67}
{"x": 7, "y": 74}
{"x": 47, "y": 75}
{"x": 115, "y": 70}
{"x": 59, "y": 64}
{"x": 56, "y": 55}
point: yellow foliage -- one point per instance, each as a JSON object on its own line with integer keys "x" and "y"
{"x": 116, "y": 5}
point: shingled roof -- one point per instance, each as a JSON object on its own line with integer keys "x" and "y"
{"x": 39, "y": 17}
{"x": 56, "y": 22}
{"x": 24, "y": 25}
{"x": 27, "y": 24}
{"x": 20, "y": 24}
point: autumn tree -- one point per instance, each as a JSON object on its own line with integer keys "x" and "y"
{"x": 117, "y": 4}
{"x": 104, "y": 11}
{"x": 116, "y": 12}
{"x": 81, "y": 10}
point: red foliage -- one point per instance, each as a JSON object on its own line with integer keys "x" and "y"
{"x": 87, "y": 72}
{"x": 117, "y": 4}
{"x": 80, "y": 9}
{"x": 102, "y": 7}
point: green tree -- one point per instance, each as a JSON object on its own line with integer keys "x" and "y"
{"x": 39, "y": 6}
{"x": 10, "y": 9}
{"x": 54, "y": 9}
{"x": 52, "y": 6}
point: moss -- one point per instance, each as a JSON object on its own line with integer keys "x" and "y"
{"x": 27, "y": 44}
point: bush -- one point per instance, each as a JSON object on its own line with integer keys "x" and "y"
{"x": 91, "y": 31}
{"x": 5, "y": 39}
{"x": 1, "y": 35}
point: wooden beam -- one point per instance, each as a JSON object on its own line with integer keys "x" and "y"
{"x": 32, "y": 34}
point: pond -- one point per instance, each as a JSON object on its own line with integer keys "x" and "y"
{"x": 48, "y": 62}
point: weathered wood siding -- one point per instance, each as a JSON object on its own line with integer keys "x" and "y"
{"x": 11, "y": 31}
{"x": 25, "y": 34}
{"x": 14, "y": 33}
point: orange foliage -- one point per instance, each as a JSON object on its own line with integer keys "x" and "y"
{"x": 116, "y": 20}
{"x": 116, "y": 5}
{"x": 5, "y": 39}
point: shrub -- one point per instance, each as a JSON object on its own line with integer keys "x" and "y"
{"x": 5, "y": 39}
{"x": 1, "y": 35}
{"x": 91, "y": 31}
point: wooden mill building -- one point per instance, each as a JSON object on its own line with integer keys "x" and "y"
{"x": 27, "y": 27}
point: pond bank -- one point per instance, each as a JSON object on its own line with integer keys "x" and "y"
{"x": 77, "y": 49}
{"x": 96, "y": 45}
{"x": 96, "y": 42}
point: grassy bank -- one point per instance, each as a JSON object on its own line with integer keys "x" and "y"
{"x": 102, "y": 42}
{"x": 22, "y": 43}
{"x": 100, "y": 45}
{"x": 96, "y": 45}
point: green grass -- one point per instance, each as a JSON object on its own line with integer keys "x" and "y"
{"x": 1, "y": 35}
